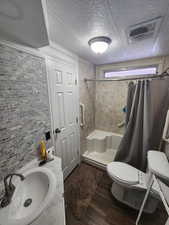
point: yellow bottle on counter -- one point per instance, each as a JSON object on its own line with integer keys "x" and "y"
{"x": 43, "y": 152}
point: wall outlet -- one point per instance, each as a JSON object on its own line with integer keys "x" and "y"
{"x": 47, "y": 135}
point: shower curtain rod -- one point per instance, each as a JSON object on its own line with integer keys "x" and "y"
{"x": 162, "y": 75}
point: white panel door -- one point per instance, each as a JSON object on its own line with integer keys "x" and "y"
{"x": 63, "y": 84}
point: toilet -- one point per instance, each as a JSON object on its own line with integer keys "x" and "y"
{"x": 129, "y": 186}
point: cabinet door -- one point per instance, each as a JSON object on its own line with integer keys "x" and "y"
{"x": 60, "y": 212}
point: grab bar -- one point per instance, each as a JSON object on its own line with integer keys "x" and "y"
{"x": 121, "y": 124}
{"x": 166, "y": 127}
{"x": 82, "y": 115}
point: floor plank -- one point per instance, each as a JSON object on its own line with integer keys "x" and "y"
{"x": 89, "y": 201}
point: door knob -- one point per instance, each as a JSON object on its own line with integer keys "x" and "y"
{"x": 57, "y": 131}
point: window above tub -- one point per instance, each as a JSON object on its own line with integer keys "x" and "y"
{"x": 132, "y": 72}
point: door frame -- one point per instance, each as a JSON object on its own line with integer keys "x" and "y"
{"x": 60, "y": 55}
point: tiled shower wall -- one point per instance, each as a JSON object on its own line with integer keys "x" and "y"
{"x": 110, "y": 99}
{"x": 24, "y": 107}
{"x": 87, "y": 97}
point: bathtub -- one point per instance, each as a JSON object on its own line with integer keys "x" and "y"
{"x": 101, "y": 147}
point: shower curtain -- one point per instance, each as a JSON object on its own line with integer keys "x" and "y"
{"x": 147, "y": 105}
{"x": 130, "y": 95}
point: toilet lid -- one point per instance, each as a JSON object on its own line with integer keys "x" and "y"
{"x": 123, "y": 173}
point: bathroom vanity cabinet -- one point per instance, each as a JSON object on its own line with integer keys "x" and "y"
{"x": 55, "y": 212}
{"x": 38, "y": 198}
{"x": 43, "y": 187}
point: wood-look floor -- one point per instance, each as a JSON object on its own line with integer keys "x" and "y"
{"x": 89, "y": 201}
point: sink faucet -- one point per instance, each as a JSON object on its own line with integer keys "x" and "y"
{"x": 9, "y": 189}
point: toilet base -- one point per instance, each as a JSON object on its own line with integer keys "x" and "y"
{"x": 134, "y": 197}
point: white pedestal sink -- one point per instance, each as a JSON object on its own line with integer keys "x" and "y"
{"x": 31, "y": 197}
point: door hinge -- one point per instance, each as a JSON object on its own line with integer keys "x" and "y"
{"x": 77, "y": 120}
{"x": 75, "y": 81}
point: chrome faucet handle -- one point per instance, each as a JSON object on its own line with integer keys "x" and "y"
{"x": 11, "y": 185}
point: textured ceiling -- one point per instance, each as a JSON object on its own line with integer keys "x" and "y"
{"x": 73, "y": 22}
{"x": 22, "y": 21}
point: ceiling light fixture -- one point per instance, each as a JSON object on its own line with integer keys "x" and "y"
{"x": 99, "y": 44}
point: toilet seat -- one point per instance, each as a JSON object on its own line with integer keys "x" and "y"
{"x": 123, "y": 173}
{"x": 130, "y": 185}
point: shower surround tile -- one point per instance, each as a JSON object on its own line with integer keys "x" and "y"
{"x": 87, "y": 97}
{"x": 111, "y": 97}
{"x": 24, "y": 107}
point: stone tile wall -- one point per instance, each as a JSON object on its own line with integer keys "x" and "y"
{"x": 24, "y": 107}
